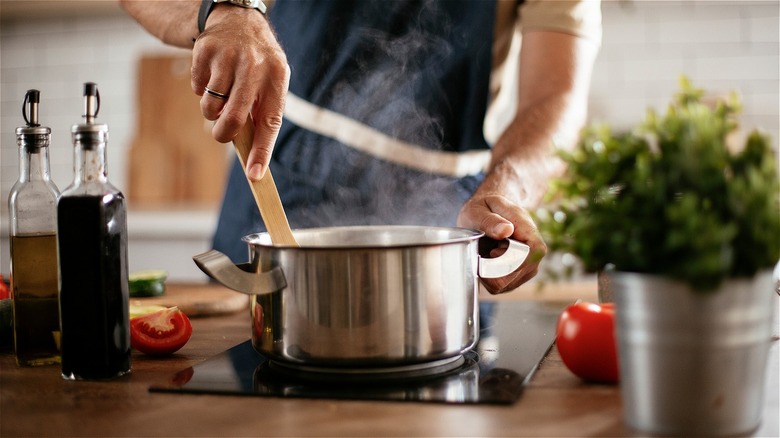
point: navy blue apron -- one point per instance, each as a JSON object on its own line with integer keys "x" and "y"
{"x": 417, "y": 71}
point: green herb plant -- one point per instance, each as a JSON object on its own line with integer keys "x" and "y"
{"x": 669, "y": 198}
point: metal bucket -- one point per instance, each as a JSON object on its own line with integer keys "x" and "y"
{"x": 693, "y": 363}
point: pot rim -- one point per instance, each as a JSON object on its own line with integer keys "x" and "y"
{"x": 432, "y": 236}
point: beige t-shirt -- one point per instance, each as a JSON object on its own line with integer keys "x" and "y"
{"x": 576, "y": 17}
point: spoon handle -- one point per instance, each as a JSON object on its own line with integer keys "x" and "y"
{"x": 264, "y": 191}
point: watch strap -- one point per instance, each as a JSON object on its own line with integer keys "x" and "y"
{"x": 203, "y": 13}
{"x": 206, "y": 6}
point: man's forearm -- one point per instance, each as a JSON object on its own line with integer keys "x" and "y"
{"x": 555, "y": 72}
{"x": 174, "y": 22}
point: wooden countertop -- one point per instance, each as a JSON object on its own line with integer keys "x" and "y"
{"x": 38, "y": 402}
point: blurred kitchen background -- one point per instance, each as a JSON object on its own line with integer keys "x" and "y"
{"x": 160, "y": 153}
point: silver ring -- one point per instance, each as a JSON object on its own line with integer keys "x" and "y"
{"x": 216, "y": 94}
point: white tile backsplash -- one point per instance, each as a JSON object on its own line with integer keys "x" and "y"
{"x": 720, "y": 45}
{"x": 678, "y": 30}
{"x": 761, "y": 29}
{"x": 736, "y": 67}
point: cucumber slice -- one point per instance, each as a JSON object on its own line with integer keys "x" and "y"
{"x": 141, "y": 309}
{"x": 149, "y": 283}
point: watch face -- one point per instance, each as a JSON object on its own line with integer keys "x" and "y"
{"x": 252, "y": 4}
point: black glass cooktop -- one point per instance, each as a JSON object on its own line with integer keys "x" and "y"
{"x": 514, "y": 337}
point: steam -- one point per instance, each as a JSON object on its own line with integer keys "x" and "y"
{"x": 382, "y": 95}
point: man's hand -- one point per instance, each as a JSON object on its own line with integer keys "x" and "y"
{"x": 500, "y": 219}
{"x": 238, "y": 55}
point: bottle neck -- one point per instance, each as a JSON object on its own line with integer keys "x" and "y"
{"x": 90, "y": 162}
{"x": 34, "y": 161}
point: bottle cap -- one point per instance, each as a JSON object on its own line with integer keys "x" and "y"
{"x": 32, "y": 100}
{"x": 89, "y": 130}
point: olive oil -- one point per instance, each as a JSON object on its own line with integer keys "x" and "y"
{"x": 36, "y": 307}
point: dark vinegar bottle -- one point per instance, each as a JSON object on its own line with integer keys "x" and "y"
{"x": 92, "y": 242}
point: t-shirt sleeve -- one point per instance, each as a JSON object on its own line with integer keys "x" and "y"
{"x": 576, "y": 17}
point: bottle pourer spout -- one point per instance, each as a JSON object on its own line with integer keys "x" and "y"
{"x": 30, "y": 107}
{"x": 91, "y": 101}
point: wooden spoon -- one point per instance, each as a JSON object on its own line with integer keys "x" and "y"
{"x": 264, "y": 191}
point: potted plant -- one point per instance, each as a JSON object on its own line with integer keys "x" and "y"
{"x": 685, "y": 232}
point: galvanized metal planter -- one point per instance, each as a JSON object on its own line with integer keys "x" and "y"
{"x": 692, "y": 363}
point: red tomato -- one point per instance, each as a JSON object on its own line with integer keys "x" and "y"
{"x": 4, "y": 291}
{"x": 586, "y": 341}
{"x": 160, "y": 333}
{"x": 257, "y": 320}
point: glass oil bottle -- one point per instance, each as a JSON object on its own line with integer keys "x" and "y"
{"x": 32, "y": 205}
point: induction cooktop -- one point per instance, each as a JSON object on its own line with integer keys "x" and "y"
{"x": 515, "y": 336}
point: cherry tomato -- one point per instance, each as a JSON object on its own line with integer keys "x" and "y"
{"x": 586, "y": 341}
{"x": 160, "y": 333}
{"x": 4, "y": 291}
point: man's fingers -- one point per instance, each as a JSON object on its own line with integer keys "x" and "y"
{"x": 213, "y": 100}
{"x": 524, "y": 227}
{"x": 268, "y": 115}
{"x": 499, "y": 218}
{"x": 492, "y": 216}
{"x": 266, "y": 131}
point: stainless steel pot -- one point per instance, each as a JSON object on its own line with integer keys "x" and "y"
{"x": 364, "y": 296}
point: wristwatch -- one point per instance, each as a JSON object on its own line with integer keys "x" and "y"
{"x": 207, "y": 6}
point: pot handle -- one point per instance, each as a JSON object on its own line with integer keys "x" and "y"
{"x": 240, "y": 278}
{"x": 506, "y": 263}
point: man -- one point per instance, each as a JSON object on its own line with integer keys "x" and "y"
{"x": 404, "y": 111}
